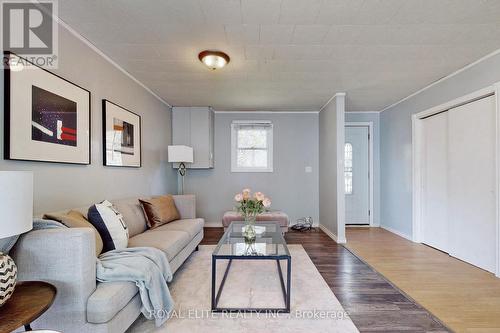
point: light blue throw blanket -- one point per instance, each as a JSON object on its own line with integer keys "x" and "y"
{"x": 148, "y": 267}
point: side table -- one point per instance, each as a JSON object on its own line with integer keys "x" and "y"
{"x": 28, "y": 302}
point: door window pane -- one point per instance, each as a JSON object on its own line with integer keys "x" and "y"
{"x": 348, "y": 168}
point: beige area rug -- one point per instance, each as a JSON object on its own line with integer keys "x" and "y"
{"x": 314, "y": 307}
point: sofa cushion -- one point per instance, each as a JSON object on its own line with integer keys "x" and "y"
{"x": 133, "y": 216}
{"x": 159, "y": 210}
{"x": 169, "y": 241}
{"x": 75, "y": 219}
{"x": 191, "y": 226}
{"x": 108, "y": 299}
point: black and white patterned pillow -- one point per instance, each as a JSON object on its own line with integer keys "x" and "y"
{"x": 110, "y": 225}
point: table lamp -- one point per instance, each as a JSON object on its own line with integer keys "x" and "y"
{"x": 16, "y": 209}
{"x": 180, "y": 154}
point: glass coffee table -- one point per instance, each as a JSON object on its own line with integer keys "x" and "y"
{"x": 269, "y": 244}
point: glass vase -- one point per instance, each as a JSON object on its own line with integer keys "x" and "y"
{"x": 249, "y": 230}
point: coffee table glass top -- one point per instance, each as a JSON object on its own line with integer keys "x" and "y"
{"x": 269, "y": 242}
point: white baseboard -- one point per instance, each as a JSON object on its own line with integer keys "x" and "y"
{"x": 399, "y": 233}
{"x": 213, "y": 224}
{"x": 332, "y": 235}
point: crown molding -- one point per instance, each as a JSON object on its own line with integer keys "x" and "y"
{"x": 363, "y": 112}
{"x": 267, "y": 112}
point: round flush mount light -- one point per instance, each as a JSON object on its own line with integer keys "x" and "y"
{"x": 214, "y": 59}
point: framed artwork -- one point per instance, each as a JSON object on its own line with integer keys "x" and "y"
{"x": 121, "y": 136}
{"x": 47, "y": 118}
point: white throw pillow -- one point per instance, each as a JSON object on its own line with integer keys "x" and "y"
{"x": 110, "y": 225}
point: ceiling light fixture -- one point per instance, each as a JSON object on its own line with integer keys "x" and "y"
{"x": 214, "y": 59}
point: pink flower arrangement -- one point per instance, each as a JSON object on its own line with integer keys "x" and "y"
{"x": 250, "y": 206}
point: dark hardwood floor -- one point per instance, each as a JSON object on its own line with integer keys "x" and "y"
{"x": 373, "y": 304}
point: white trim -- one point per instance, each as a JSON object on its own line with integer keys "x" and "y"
{"x": 213, "y": 225}
{"x": 418, "y": 152}
{"x": 486, "y": 57}
{"x": 234, "y": 167}
{"x": 339, "y": 94}
{"x": 396, "y": 232}
{"x": 368, "y": 124}
{"x": 478, "y": 94}
{"x": 332, "y": 235}
{"x": 267, "y": 112}
{"x": 268, "y": 122}
{"x": 111, "y": 61}
{"x": 363, "y": 112}
{"x": 497, "y": 159}
{"x": 340, "y": 108}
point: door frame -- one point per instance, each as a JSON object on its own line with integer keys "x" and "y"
{"x": 368, "y": 124}
{"x": 418, "y": 151}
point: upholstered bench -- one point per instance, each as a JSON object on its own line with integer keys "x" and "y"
{"x": 272, "y": 216}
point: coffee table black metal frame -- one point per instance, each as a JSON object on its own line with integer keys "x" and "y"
{"x": 275, "y": 257}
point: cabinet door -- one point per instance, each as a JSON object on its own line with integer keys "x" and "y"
{"x": 200, "y": 137}
{"x": 181, "y": 126}
{"x": 211, "y": 128}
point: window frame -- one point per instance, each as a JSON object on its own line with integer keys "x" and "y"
{"x": 234, "y": 132}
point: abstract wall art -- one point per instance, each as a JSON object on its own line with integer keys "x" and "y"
{"x": 121, "y": 136}
{"x": 47, "y": 118}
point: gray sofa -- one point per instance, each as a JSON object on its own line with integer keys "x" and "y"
{"x": 66, "y": 258}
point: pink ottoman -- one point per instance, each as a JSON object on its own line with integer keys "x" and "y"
{"x": 273, "y": 216}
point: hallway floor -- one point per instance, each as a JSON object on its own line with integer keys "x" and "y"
{"x": 464, "y": 297}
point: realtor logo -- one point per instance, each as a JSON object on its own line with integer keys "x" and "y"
{"x": 29, "y": 29}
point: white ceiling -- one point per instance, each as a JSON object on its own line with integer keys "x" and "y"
{"x": 288, "y": 54}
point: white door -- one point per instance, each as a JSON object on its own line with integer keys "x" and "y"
{"x": 357, "y": 181}
{"x": 435, "y": 230}
{"x": 471, "y": 203}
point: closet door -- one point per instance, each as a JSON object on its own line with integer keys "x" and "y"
{"x": 435, "y": 227}
{"x": 471, "y": 183}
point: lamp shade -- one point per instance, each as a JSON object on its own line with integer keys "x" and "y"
{"x": 16, "y": 202}
{"x": 180, "y": 154}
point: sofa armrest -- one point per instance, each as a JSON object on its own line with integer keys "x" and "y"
{"x": 64, "y": 257}
{"x": 186, "y": 205}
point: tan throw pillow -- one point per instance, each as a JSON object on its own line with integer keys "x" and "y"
{"x": 159, "y": 210}
{"x": 75, "y": 219}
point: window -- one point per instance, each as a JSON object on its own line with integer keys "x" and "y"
{"x": 348, "y": 168}
{"x": 251, "y": 146}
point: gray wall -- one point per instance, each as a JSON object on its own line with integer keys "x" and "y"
{"x": 395, "y": 141}
{"x": 59, "y": 186}
{"x": 291, "y": 189}
{"x": 375, "y": 119}
{"x": 331, "y": 118}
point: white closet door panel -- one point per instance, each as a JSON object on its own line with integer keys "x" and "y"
{"x": 471, "y": 182}
{"x": 435, "y": 228}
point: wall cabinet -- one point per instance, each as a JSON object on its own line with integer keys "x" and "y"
{"x": 194, "y": 127}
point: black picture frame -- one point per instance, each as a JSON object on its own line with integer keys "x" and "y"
{"x": 106, "y": 104}
{"x": 8, "y": 142}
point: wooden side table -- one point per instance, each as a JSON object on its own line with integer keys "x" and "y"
{"x": 28, "y": 302}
